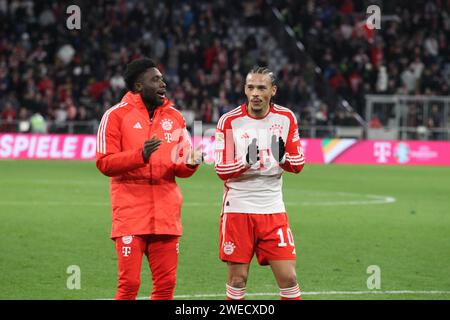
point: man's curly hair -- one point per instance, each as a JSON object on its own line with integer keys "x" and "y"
{"x": 135, "y": 69}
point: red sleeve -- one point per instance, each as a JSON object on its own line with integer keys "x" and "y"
{"x": 294, "y": 159}
{"x": 110, "y": 159}
{"x": 226, "y": 164}
{"x": 182, "y": 170}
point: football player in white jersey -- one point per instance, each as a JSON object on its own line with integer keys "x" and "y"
{"x": 255, "y": 144}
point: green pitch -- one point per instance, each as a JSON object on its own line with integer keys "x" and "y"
{"x": 344, "y": 219}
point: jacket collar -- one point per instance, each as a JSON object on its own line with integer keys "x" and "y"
{"x": 136, "y": 100}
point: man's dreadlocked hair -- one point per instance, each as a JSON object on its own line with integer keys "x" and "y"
{"x": 264, "y": 70}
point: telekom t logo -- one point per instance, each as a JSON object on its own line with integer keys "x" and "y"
{"x": 168, "y": 137}
{"x": 126, "y": 251}
{"x": 382, "y": 150}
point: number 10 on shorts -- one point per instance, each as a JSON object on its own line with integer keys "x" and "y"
{"x": 290, "y": 237}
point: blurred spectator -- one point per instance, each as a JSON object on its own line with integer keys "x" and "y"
{"x": 71, "y": 111}
{"x": 417, "y": 67}
{"x": 435, "y": 122}
{"x": 322, "y": 120}
{"x": 431, "y": 45}
{"x": 24, "y": 121}
{"x": 409, "y": 79}
{"x": 117, "y": 82}
{"x": 60, "y": 118}
{"x": 7, "y": 117}
{"x": 322, "y": 115}
{"x": 207, "y": 111}
{"x": 65, "y": 54}
{"x": 414, "y": 120}
{"x": 375, "y": 122}
{"x": 38, "y": 123}
{"x": 81, "y": 121}
{"x": 382, "y": 80}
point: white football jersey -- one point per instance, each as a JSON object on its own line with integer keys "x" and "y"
{"x": 255, "y": 188}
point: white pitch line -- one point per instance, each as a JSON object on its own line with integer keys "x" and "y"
{"x": 311, "y": 293}
{"x": 376, "y": 292}
{"x": 56, "y": 182}
{"x": 317, "y": 293}
{"x": 377, "y": 200}
{"x": 28, "y": 203}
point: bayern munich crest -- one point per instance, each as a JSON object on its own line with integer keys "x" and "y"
{"x": 276, "y": 129}
{"x": 166, "y": 124}
{"x": 127, "y": 239}
{"x": 228, "y": 248}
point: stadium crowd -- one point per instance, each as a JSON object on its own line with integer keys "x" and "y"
{"x": 204, "y": 50}
{"x": 409, "y": 54}
{"x": 74, "y": 75}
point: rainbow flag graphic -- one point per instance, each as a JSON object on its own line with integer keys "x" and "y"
{"x": 332, "y": 148}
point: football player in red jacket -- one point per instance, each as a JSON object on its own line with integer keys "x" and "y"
{"x": 143, "y": 145}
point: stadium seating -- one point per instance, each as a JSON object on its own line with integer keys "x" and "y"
{"x": 205, "y": 48}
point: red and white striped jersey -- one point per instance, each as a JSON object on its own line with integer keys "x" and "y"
{"x": 255, "y": 188}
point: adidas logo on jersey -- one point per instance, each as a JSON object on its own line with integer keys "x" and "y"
{"x": 137, "y": 125}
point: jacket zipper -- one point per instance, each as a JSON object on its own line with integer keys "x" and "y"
{"x": 149, "y": 137}
{"x": 150, "y": 167}
{"x": 150, "y": 134}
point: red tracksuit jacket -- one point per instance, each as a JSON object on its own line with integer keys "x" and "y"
{"x": 145, "y": 198}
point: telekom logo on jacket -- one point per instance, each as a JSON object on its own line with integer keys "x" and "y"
{"x": 382, "y": 150}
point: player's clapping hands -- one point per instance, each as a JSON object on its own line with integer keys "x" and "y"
{"x": 150, "y": 146}
{"x": 252, "y": 153}
{"x": 277, "y": 147}
{"x": 195, "y": 156}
